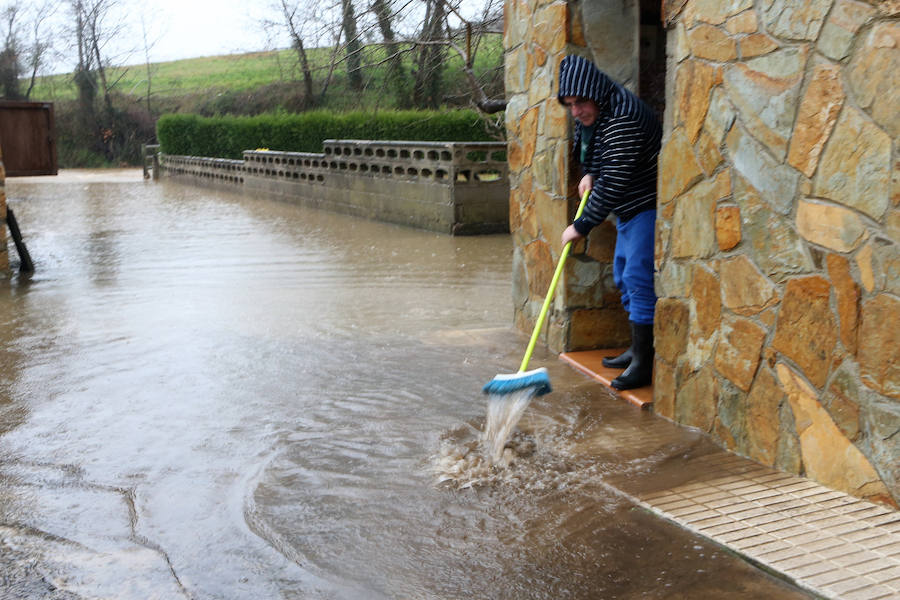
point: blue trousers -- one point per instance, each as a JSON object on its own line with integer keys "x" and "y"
{"x": 633, "y": 266}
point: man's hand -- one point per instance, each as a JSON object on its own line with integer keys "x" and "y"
{"x": 586, "y": 183}
{"x": 570, "y": 235}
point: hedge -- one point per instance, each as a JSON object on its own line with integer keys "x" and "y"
{"x": 228, "y": 136}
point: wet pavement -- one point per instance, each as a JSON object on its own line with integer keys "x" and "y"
{"x": 205, "y": 395}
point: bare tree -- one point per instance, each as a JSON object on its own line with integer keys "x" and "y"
{"x": 148, "y": 45}
{"x": 353, "y": 46}
{"x": 396, "y": 76}
{"x": 413, "y": 38}
{"x": 488, "y": 24}
{"x": 10, "y": 64}
{"x": 294, "y": 23}
{"x": 430, "y": 57}
{"x": 40, "y": 44}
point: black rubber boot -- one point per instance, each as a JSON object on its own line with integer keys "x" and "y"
{"x": 640, "y": 371}
{"x": 619, "y": 362}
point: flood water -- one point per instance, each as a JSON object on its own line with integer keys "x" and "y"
{"x": 211, "y": 396}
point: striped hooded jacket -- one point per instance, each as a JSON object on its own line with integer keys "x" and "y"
{"x": 623, "y": 151}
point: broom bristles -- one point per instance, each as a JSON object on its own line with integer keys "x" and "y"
{"x": 513, "y": 382}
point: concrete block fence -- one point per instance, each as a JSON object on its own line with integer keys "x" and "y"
{"x": 460, "y": 188}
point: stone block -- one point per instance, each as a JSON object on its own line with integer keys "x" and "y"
{"x": 763, "y": 419}
{"x": 855, "y": 169}
{"x": 549, "y": 27}
{"x": 807, "y": 331}
{"x": 681, "y": 47}
{"x": 841, "y": 400}
{"x": 588, "y": 283}
{"x": 539, "y": 265}
{"x": 671, "y": 326}
{"x": 817, "y": 115}
{"x": 694, "y": 221}
{"x": 765, "y": 90}
{"x": 714, "y": 12}
{"x": 847, "y": 294}
{"x": 707, "y": 301}
{"x": 602, "y": 242}
{"x": 711, "y": 43}
{"x": 745, "y": 22}
{"x": 695, "y": 402}
{"x": 879, "y": 345}
{"x": 757, "y": 44}
{"x": 598, "y": 328}
{"x": 775, "y": 182}
{"x": 788, "y": 457}
{"x": 664, "y": 387}
{"x": 708, "y": 154}
{"x": 745, "y": 290}
{"x": 831, "y": 226}
{"x": 551, "y": 215}
{"x": 874, "y": 75}
{"x": 694, "y": 80}
{"x": 729, "y": 426}
{"x": 738, "y": 351}
{"x": 673, "y": 279}
{"x": 728, "y": 227}
{"x": 828, "y": 456}
{"x": 866, "y": 267}
{"x": 678, "y": 168}
{"x": 795, "y": 19}
{"x": 845, "y": 20}
{"x": 880, "y": 420}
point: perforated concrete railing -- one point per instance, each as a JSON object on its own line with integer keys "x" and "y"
{"x": 223, "y": 170}
{"x": 457, "y": 187}
{"x": 458, "y": 163}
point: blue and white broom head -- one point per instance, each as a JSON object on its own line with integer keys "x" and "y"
{"x": 512, "y": 382}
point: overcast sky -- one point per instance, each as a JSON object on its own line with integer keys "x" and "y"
{"x": 190, "y": 28}
{"x": 177, "y": 29}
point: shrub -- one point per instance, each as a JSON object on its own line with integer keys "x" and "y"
{"x": 229, "y": 136}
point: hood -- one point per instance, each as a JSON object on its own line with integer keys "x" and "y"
{"x": 580, "y": 77}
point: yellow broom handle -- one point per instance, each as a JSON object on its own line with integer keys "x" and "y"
{"x": 556, "y": 275}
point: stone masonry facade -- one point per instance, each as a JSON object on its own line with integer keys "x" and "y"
{"x": 778, "y": 234}
{"x": 778, "y": 239}
{"x": 586, "y": 312}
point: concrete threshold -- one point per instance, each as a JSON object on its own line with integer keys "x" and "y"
{"x": 824, "y": 541}
{"x": 590, "y": 363}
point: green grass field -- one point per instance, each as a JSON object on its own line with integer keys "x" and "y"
{"x": 237, "y": 72}
{"x": 202, "y": 79}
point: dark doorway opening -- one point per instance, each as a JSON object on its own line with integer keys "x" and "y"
{"x": 652, "y": 57}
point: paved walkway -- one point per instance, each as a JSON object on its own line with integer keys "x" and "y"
{"x": 827, "y": 542}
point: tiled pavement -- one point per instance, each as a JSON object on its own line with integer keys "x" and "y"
{"x": 825, "y": 541}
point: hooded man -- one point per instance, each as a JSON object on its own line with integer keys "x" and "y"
{"x": 617, "y": 140}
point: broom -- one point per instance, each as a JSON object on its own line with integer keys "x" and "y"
{"x": 538, "y": 379}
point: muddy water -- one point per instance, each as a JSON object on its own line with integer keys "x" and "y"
{"x": 205, "y": 395}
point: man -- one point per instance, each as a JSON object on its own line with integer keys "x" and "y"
{"x": 617, "y": 139}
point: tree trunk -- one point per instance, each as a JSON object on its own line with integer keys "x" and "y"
{"x": 289, "y": 14}
{"x": 429, "y": 63}
{"x": 396, "y": 75}
{"x": 353, "y": 46}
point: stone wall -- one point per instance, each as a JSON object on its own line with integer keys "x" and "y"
{"x": 778, "y": 240}
{"x": 454, "y": 187}
{"x": 586, "y": 312}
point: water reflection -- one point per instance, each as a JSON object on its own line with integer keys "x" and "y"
{"x": 207, "y": 395}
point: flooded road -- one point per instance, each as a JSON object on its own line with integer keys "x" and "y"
{"x": 205, "y": 395}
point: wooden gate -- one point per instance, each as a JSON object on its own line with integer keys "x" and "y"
{"x": 27, "y": 138}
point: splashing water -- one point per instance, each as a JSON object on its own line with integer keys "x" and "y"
{"x": 503, "y": 413}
